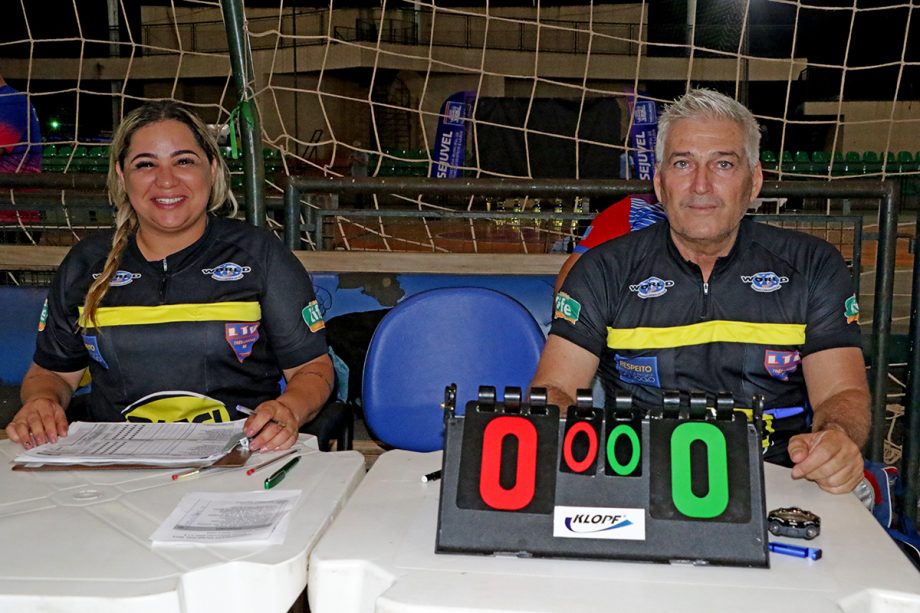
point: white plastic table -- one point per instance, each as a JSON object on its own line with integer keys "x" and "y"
{"x": 379, "y": 556}
{"x": 78, "y": 541}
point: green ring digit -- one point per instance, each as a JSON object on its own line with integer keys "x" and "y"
{"x": 715, "y": 501}
{"x": 624, "y": 470}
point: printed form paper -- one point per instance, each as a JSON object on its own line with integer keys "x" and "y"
{"x": 259, "y": 517}
{"x": 159, "y": 444}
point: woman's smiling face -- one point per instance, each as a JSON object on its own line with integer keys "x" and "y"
{"x": 168, "y": 179}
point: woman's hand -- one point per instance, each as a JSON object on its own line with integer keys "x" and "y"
{"x": 272, "y": 427}
{"x": 44, "y": 394}
{"x": 276, "y": 423}
{"x": 39, "y": 421}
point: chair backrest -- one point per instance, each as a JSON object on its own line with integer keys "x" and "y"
{"x": 464, "y": 335}
{"x": 22, "y": 309}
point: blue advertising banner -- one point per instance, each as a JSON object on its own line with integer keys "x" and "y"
{"x": 642, "y": 137}
{"x": 450, "y": 141}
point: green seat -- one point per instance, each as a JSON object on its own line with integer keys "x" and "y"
{"x": 820, "y": 162}
{"x": 801, "y": 163}
{"x": 852, "y": 164}
{"x": 891, "y": 162}
{"x": 99, "y": 158}
{"x": 872, "y": 163}
{"x": 768, "y": 160}
{"x": 906, "y": 162}
{"x": 787, "y": 161}
{"x": 838, "y": 164}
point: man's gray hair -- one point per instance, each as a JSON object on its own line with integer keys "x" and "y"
{"x": 709, "y": 104}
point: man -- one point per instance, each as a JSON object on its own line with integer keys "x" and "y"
{"x": 709, "y": 301}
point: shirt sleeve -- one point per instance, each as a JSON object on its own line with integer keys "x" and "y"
{"x": 582, "y": 304}
{"x": 59, "y": 346}
{"x": 291, "y": 316}
{"x": 833, "y": 311}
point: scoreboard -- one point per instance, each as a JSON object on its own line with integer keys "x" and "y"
{"x": 683, "y": 482}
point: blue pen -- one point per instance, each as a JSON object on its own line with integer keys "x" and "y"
{"x": 798, "y": 551}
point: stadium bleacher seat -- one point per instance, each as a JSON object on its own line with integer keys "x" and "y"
{"x": 787, "y": 161}
{"x": 768, "y": 160}
{"x": 871, "y": 163}
{"x": 852, "y": 164}
{"x": 820, "y": 162}
{"x": 801, "y": 163}
{"x": 838, "y": 164}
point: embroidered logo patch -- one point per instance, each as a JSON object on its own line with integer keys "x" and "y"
{"x": 43, "y": 320}
{"x": 228, "y": 271}
{"x": 92, "y": 347}
{"x": 638, "y": 370}
{"x": 241, "y": 337}
{"x": 651, "y": 288}
{"x": 566, "y": 308}
{"x": 121, "y": 277}
{"x": 780, "y": 364}
{"x": 851, "y": 309}
{"x": 765, "y": 282}
{"x": 313, "y": 316}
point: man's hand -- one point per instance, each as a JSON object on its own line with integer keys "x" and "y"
{"x": 829, "y": 458}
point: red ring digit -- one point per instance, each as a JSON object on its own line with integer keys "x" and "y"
{"x": 588, "y": 460}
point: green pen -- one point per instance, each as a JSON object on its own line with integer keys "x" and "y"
{"x": 279, "y": 474}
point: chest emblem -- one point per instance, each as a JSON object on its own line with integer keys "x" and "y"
{"x": 228, "y": 271}
{"x": 780, "y": 364}
{"x": 651, "y": 288}
{"x": 241, "y": 338}
{"x": 764, "y": 282}
{"x": 121, "y": 277}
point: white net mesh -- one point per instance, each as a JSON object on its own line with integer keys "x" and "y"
{"x": 541, "y": 91}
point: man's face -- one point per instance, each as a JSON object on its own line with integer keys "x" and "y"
{"x": 705, "y": 182}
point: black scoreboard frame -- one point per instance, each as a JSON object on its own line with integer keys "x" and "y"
{"x": 482, "y": 511}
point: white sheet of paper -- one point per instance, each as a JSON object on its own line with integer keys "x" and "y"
{"x": 258, "y": 517}
{"x": 159, "y": 444}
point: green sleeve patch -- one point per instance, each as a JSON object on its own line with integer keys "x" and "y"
{"x": 851, "y": 309}
{"x": 567, "y": 308}
{"x": 313, "y": 316}
{"x": 43, "y": 320}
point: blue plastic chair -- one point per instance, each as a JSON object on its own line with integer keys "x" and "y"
{"x": 464, "y": 335}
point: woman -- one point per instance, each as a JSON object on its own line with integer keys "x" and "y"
{"x": 178, "y": 314}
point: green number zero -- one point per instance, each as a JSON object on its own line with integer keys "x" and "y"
{"x": 623, "y": 469}
{"x": 715, "y": 501}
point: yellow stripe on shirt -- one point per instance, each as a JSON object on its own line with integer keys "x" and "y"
{"x": 719, "y": 331}
{"x": 171, "y": 313}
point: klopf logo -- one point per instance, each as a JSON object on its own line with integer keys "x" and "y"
{"x": 765, "y": 282}
{"x": 627, "y": 524}
{"x": 651, "y": 288}
{"x": 228, "y": 271}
